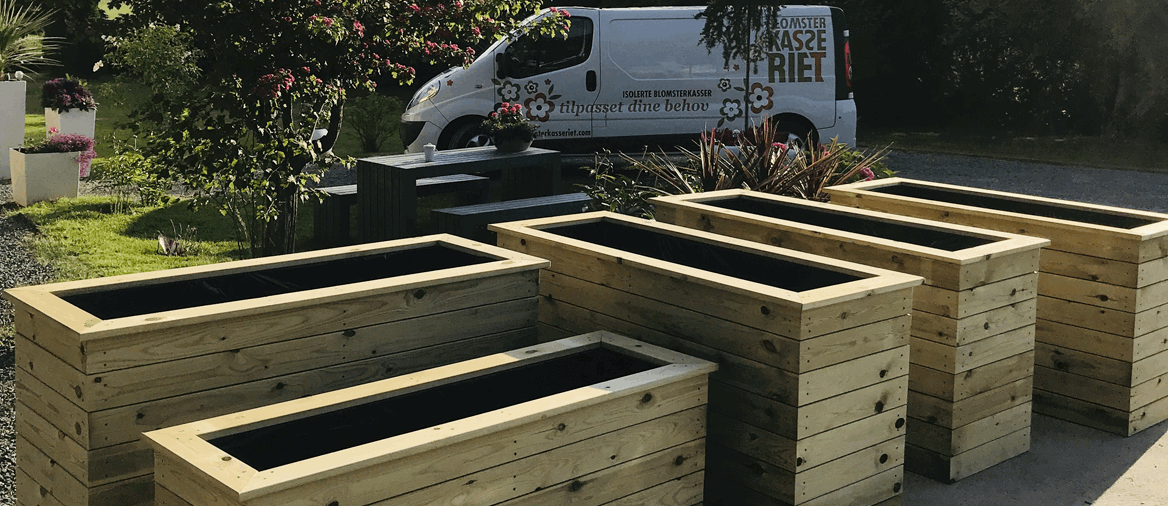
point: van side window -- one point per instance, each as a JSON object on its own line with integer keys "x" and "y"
{"x": 534, "y": 54}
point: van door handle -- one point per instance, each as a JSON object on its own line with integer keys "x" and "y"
{"x": 590, "y": 80}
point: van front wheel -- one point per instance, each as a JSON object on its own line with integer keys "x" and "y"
{"x": 467, "y": 135}
{"x": 800, "y": 134}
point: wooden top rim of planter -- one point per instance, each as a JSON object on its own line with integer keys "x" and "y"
{"x": 48, "y": 298}
{"x": 190, "y": 442}
{"x": 1004, "y": 243}
{"x": 1145, "y": 232}
{"x": 874, "y": 280}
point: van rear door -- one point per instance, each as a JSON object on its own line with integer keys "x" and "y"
{"x": 555, "y": 78}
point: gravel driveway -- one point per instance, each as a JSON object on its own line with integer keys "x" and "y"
{"x": 1101, "y": 186}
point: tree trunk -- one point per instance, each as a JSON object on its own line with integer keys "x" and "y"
{"x": 280, "y": 234}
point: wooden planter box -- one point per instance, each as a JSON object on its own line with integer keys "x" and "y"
{"x": 592, "y": 418}
{"x": 1102, "y": 331}
{"x": 102, "y": 360}
{"x": 808, "y": 404}
{"x": 972, "y": 360}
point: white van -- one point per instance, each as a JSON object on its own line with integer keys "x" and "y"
{"x": 644, "y": 73}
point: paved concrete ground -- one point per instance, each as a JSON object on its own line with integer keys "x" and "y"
{"x": 1068, "y": 464}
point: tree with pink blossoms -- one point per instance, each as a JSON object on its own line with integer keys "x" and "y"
{"x": 271, "y": 72}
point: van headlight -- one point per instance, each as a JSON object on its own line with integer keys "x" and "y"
{"x": 425, "y": 93}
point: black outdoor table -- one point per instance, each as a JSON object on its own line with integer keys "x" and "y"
{"x": 388, "y": 200}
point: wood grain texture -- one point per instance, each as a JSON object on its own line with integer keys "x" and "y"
{"x": 548, "y": 441}
{"x": 949, "y": 469}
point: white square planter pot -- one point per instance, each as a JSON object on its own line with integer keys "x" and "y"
{"x": 73, "y": 121}
{"x": 11, "y": 121}
{"x": 43, "y": 176}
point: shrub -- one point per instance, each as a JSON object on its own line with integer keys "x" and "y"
{"x": 375, "y": 118}
{"x": 65, "y": 94}
{"x": 130, "y": 174}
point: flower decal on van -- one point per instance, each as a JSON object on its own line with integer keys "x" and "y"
{"x": 724, "y": 84}
{"x": 760, "y": 98}
{"x": 538, "y": 107}
{"x": 731, "y": 109}
{"x": 531, "y": 88}
{"x": 509, "y": 91}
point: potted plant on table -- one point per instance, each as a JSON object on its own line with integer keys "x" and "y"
{"x": 22, "y": 47}
{"x": 509, "y": 130}
{"x": 51, "y": 169}
{"x": 69, "y": 106}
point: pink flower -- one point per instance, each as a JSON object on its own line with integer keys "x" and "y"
{"x": 553, "y": 9}
{"x": 54, "y": 130}
{"x": 306, "y": 70}
{"x": 780, "y": 146}
{"x": 868, "y": 174}
{"x": 476, "y": 31}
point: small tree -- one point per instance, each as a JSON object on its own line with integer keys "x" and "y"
{"x": 278, "y": 69}
{"x": 744, "y": 29}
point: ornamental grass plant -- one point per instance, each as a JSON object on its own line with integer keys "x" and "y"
{"x": 758, "y": 159}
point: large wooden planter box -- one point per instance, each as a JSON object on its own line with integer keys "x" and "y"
{"x": 808, "y": 404}
{"x": 972, "y": 360}
{"x": 102, "y": 360}
{"x": 592, "y": 419}
{"x": 1102, "y": 331}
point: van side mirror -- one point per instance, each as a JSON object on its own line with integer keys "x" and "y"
{"x": 501, "y": 70}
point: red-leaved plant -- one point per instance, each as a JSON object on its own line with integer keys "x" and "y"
{"x": 66, "y": 143}
{"x": 64, "y": 94}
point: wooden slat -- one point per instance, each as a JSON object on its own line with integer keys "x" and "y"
{"x": 1101, "y": 392}
{"x": 1120, "y": 323}
{"x": 741, "y": 372}
{"x": 30, "y": 493}
{"x": 1124, "y": 423}
{"x": 1083, "y": 364}
{"x": 971, "y": 409}
{"x": 166, "y": 379}
{"x": 951, "y": 469}
{"x": 1131, "y": 300}
{"x": 955, "y": 387}
{"x": 976, "y": 300}
{"x": 92, "y": 467}
{"x": 801, "y": 455}
{"x": 1006, "y": 256}
{"x": 950, "y": 442}
{"x": 880, "y": 490}
{"x": 685, "y": 491}
{"x": 801, "y": 423}
{"x": 475, "y": 443}
{"x": 124, "y": 424}
{"x": 63, "y": 414}
{"x": 564, "y": 463}
{"x": 164, "y": 497}
{"x": 236, "y": 332}
{"x": 608, "y": 485}
{"x": 807, "y": 485}
{"x": 1136, "y": 245}
{"x": 1112, "y": 272}
{"x": 954, "y": 360}
{"x": 67, "y": 489}
{"x": 795, "y": 315}
{"x": 717, "y": 333}
{"x": 954, "y": 332}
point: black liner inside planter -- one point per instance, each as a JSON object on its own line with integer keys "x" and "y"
{"x": 297, "y": 440}
{"x": 167, "y": 296}
{"x": 920, "y": 236}
{"x": 762, "y": 269}
{"x": 1015, "y": 206}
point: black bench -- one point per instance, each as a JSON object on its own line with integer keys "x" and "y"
{"x": 330, "y": 221}
{"x": 471, "y": 221}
